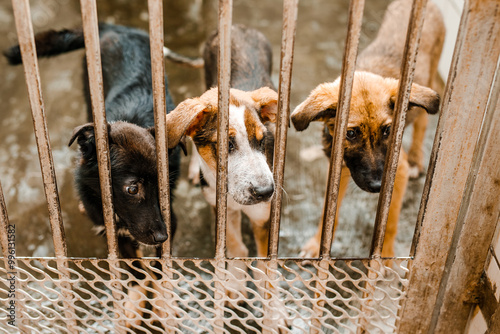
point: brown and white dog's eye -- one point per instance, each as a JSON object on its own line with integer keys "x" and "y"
{"x": 351, "y": 134}
{"x": 133, "y": 189}
{"x": 386, "y": 131}
{"x": 232, "y": 146}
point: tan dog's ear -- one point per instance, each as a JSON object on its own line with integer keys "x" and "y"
{"x": 320, "y": 105}
{"x": 266, "y": 102}
{"x": 420, "y": 97}
{"x": 183, "y": 118}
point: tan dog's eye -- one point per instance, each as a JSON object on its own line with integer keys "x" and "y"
{"x": 386, "y": 131}
{"x": 133, "y": 190}
{"x": 351, "y": 134}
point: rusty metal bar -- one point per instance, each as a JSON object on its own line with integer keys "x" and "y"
{"x": 224, "y": 75}
{"x": 348, "y": 67}
{"x": 463, "y": 109}
{"x": 4, "y": 227}
{"x": 476, "y": 226}
{"x": 9, "y": 254}
{"x": 26, "y": 38}
{"x": 155, "y": 9}
{"x": 93, "y": 53}
{"x": 223, "y": 80}
{"x": 287, "y": 43}
{"x": 398, "y": 125}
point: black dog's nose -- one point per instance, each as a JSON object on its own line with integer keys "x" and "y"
{"x": 375, "y": 185}
{"x": 262, "y": 193}
{"x": 160, "y": 237}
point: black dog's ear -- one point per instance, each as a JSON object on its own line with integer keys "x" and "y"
{"x": 86, "y": 139}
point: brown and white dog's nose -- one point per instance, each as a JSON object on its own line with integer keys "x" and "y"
{"x": 262, "y": 193}
{"x": 160, "y": 237}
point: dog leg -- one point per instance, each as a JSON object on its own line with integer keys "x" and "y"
{"x": 194, "y": 167}
{"x": 312, "y": 247}
{"x": 416, "y": 153}
{"x": 398, "y": 193}
{"x": 235, "y": 248}
{"x": 134, "y": 305}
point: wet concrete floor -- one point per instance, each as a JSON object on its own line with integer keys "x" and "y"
{"x": 319, "y": 46}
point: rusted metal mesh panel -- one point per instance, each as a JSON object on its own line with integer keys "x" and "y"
{"x": 182, "y": 298}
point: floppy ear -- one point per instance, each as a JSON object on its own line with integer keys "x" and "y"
{"x": 183, "y": 119}
{"x": 320, "y": 105}
{"x": 266, "y": 102}
{"x": 86, "y": 140}
{"x": 420, "y": 97}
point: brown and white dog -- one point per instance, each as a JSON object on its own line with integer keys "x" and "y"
{"x": 374, "y": 94}
{"x": 252, "y": 114}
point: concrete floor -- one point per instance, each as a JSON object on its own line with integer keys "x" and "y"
{"x": 318, "y": 53}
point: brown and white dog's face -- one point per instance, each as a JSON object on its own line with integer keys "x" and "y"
{"x": 250, "y": 180}
{"x": 369, "y": 123}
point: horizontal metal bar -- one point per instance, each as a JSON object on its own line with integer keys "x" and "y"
{"x": 26, "y": 38}
{"x": 337, "y": 155}
{"x": 398, "y": 124}
{"x": 155, "y": 8}
{"x": 287, "y": 43}
{"x": 93, "y": 53}
{"x": 224, "y": 75}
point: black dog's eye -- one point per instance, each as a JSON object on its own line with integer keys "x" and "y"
{"x": 133, "y": 190}
{"x": 386, "y": 131}
{"x": 351, "y": 134}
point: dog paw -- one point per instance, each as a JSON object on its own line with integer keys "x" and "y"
{"x": 310, "y": 249}
{"x": 414, "y": 172}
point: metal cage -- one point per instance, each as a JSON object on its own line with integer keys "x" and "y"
{"x": 425, "y": 292}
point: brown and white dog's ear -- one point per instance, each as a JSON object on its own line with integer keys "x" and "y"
{"x": 266, "y": 102}
{"x": 420, "y": 97}
{"x": 183, "y": 119}
{"x": 320, "y": 105}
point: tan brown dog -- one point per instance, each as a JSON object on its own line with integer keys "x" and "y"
{"x": 372, "y": 106}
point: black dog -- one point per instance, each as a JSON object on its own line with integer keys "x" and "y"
{"x": 126, "y": 68}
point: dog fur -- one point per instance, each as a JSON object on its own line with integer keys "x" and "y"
{"x": 126, "y": 69}
{"x": 252, "y": 114}
{"x": 374, "y": 93}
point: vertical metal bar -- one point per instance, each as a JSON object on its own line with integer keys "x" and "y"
{"x": 10, "y": 267}
{"x": 155, "y": 8}
{"x": 290, "y": 9}
{"x": 476, "y": 226}
{"x": 224, "y": 75}
{"x": 26, "y": 38}
{"x": 356, "y": 8}
{"x": 348, "y": 67}
{"x": 4, "y": 226}
{"x": 467, "y": 90}
{"x": 93, "y": 53}
{"x": 398, "y": 124}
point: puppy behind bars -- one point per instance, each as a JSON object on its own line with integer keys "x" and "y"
{"x": 374, "y": 92}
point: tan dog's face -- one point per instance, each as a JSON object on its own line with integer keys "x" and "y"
{"x": 369, "y": 123}
{"x": 250, "y": 179}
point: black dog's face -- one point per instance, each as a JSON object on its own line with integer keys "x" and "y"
{"x": 134, "y": 180}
